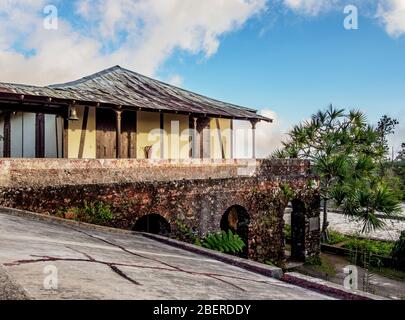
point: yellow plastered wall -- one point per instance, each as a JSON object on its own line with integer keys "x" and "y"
{"x": 148, "y": 127}
{"x": 177, "y": 144}
{"x": 74, "y": 135}
{"x": 225, "y": 136}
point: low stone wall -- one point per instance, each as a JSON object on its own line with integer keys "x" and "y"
{"x": 55, "y": 172}
{"x": 191, "y": 193}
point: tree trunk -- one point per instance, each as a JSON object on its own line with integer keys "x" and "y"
{"x": 325, "y": 224}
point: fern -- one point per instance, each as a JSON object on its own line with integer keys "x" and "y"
{"x": 225, "y": 242}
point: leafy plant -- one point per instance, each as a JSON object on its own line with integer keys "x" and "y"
{"x": 96, "y": 213}
{"x": 374, "y": 247}
{"x": 363, "y": 200}
{"x": 313, "y": 261}
{"x": 287, "y": 231}
{"x": 186, "y": 234}
{"x": 288, "y": 192}
{"x": 398, "y": 253}
{"x": 226, "y": 242}
{"x": 336, "y": 237}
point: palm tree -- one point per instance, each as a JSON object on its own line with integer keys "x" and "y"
{"x": 365, "y": 201}
{"x": 342, "y": 149}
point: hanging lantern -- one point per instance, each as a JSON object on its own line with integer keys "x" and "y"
{"x": 73, "y": 114}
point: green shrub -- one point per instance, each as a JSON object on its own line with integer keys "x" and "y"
{"x": 371, "y": 247}
{"x": 336, "y": 237}
{"x": 186, "y": 234}
{"x": 398, "y": 253}
{"x": 313, "y": 261}
{"x": 96, "y": 213}
{"x": 224, "y": 242}
{"x": 288, "y": 192}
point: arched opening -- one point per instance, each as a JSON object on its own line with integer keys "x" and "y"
{"x": 297, "y": 230}
{"x": 237, "y": 219}
{"x": 152, "y": 223}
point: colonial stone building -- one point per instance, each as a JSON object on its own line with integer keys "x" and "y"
{"x": 161, "y": 157}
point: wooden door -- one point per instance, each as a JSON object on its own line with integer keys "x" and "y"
{"x": 128, "y": 134}
{"x": 106, "y": 134}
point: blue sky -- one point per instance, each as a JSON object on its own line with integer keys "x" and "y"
{"x": 288, "y": 58}
{"x": 299, "y": 66}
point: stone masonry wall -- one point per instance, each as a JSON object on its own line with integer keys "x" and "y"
{"x": 195, "y": 193}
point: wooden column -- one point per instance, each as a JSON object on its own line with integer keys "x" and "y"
{"x": 84, "y": 131}
{"x": 203, "y": 129}
{"x": 39, "y": 135}
{"x": 254, "y": 122}
{"x": 118, "y": 134}
{"x": 232, "y": 142}
{"x": 221, "y": 143}
{"x": 65, "y": 138}
{"x": 162, "y": 136}
{"x": 7, "y": 136}
{"x": 194, "y": 146}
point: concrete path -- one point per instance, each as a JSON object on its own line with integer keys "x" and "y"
{"x": 88, "y": 264}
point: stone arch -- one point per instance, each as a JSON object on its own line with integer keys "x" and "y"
{"x": 298, "y": 225}
{"x": 237, "y": 219}
{"x": 152, "y": 223}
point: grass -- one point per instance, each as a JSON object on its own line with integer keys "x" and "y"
{"x": 321, "y": 265}
{"x": 389, "y": 273}
{"x": 356, "y": 244}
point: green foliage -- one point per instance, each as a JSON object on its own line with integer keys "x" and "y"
{"x": 385, "y": 127}
{"x": 321, "y": 264}
{"x": 336, "y": 237}
{"x": 97, "y": 212}
{"x": 364, "y": 200}
{"x": 288, "y": 192}
{"x": 313, "y": 261}
{"x": 395, "y": 179}
{"x": 370, "y": 247}
{"x": 398, "y": 168}
{"x": 186, "y": 234}
{"x": 398, "y": 253}
{"x": 287, "y": 231}
{"x": 225, "y": 242}
{"x": 347, "y": 154}
{"x": 401, "y": 153}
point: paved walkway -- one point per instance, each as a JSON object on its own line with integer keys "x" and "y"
{"x": 102, "y": 265}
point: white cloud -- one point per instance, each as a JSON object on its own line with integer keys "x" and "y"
{"x": 268, "y": 136}
{"x": 176, "y": 80}
{"x": 139, "y": 34}
{"x": 398, "y": 138}
{"x": 310, "y": 7}
{"x": 392, "y": 15}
